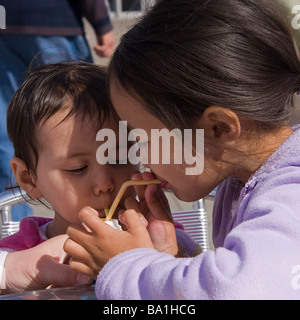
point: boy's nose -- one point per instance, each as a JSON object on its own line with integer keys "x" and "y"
{"x": 102, "y": 185}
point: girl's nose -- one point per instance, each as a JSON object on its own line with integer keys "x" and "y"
{"x": 103, "y": 184}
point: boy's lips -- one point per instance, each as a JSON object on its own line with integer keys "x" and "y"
{"x": 101, "y": 212}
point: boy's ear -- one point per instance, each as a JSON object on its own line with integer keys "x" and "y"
{"x": 221, "y": 125}
{"x": 24, "y": 178}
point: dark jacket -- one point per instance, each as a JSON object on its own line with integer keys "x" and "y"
{"x": 55, "y": 17}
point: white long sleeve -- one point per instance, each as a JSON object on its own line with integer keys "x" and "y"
{"x": 3, "y": 255}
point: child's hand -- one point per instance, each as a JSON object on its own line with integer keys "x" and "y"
{"x": 93, "y": 244}
{"x": 155, "y": 207}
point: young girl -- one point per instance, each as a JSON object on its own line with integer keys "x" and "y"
{"x": 228, "y": 67}
{"x": 52, "y": 121}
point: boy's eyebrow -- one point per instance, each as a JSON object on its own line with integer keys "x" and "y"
{"x": 75, "y": 154}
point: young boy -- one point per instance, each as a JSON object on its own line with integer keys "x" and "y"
{"x": 52, "y": 121}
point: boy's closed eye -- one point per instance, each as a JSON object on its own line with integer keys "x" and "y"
{"x": 77, "y": 170}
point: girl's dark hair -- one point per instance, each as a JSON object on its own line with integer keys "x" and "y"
{"x": 186, "y": 55}
{"x": 77, "y": 86}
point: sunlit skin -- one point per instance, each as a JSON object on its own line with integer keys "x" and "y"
{"x": 229, "y": 151}
{"x": 68, "y": 175}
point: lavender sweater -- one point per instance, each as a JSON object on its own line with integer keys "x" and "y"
{"x": 256, "y": 231}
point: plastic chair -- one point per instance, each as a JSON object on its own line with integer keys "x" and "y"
{"x": 195, "y": 223}
{"x": 9, "y": 199}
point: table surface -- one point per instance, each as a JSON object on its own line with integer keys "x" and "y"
{"x": 67, "y": 293}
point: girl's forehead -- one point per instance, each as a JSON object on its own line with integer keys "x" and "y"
{"x": 131, "y": 109}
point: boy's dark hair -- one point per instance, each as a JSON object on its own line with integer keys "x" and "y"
{"x": 185, "y": 55}
{"x": 77, "y": 86}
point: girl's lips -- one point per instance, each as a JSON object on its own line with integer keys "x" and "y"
{"x": 164, "y": 184}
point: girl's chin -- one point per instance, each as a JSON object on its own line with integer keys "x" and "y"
{"x": 183, "y": 196}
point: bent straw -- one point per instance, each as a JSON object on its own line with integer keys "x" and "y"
{"x": 122, "y": 190}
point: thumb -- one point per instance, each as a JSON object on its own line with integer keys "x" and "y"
{"x": 50, "y": 268}
{"x": 160, "y": 223}
{"x": 158, "y": 205}
{"x": 51, "y": 271}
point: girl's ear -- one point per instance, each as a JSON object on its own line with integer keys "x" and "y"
{"x": 221, "y": 125}
{"x": 24, "y": 178}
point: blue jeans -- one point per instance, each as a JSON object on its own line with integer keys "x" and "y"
{"x": 17, "y": 52}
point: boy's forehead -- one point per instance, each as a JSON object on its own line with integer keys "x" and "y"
{"x": 58, "y": 129}
{"x": 63, "y": 120}
{"x": 61, "y": 132}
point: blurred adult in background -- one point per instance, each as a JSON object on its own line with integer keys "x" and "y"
{"x": 292, "y": 8}
{"x": 41, "y": 32}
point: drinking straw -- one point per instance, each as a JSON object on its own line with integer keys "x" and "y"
{"x": 122, "y": 190}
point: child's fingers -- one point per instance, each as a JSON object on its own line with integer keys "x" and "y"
{"x": 133, "y": 221}
{"x": 77, "y": 235}
{"x": 140, "y": 190}
{"x": 90, "y": 218}
{"x": 136, "y": 230}
{"x": 163, "y": 199}
{"x": 132, "y": 203}
{"x": 160, "y": 223}
{"x": 81, "y": 268}
{"x": 74, "y": 249}
{"x": 148, "y": 176}
{"x": 156, "y": 205}
{"x": 81, "y": 260}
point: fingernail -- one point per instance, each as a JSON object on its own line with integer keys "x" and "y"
{"x": 92, "y": 210}
{"x": 86, "y": 228}
{"x": 120, "y": 215}
{"x": 145, "y": 222}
